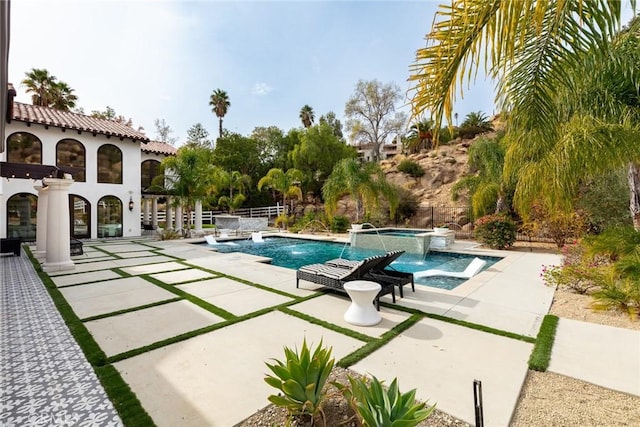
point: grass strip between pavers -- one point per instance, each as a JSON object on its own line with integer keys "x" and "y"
{"x": 327, "y": 325}
{"x": 541, "y": 354}
{"x": 193, "y": 299}
{"x": 130, "y": 310}
{"x": 370, "y": 347}
{"x": 204, "y": 330}
{"x": 125, "y": 401}
{"x": 104, "y": 251}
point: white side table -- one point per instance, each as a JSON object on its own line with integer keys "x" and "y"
{"x": 362, "y": 312}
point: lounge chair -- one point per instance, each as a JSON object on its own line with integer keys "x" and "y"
{"x": 383, "y": 272}
{"x": 257, "y": 237}
{"x": 472, "y": 269}
{"x": 210, "y": 239}
{"x": 335, "y": 277}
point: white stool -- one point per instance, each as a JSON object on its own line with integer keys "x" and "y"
{"x": 362, "y": 312}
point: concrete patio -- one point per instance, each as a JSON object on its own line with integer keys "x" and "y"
{"x": 133, "y": 293}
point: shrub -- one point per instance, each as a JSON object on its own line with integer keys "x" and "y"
{"x": 340, "y": 224}
{"x": 497, "y": 231}
{"x": 169, "y": 234}
{"x": 407, "y": 204}
{"x": 559, "y": 226}
{"x": 411, "y": 168}
{"x": 378, "y": 407}
{"x": 579, "y": 271}
{"x": 301, "y": 380}
{"x": 618, "y": 294}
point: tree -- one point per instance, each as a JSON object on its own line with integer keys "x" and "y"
{"x": 420, "y": 135}
{"x": 220, "y": 104}
{"x": 164, "y": 131}
{"x": 365, "y": 183}
{"x": 477, "y": 119}
{"x": 62, "y": 96}
{"x": 232, "y": 181}
{"x": 317, "y": 153}
{"x": 487, "y": 189}
{"x": 285, "y": 183}
{"x": 307, "y": 116}
{"x": 331, "y": 120}
{"x": 198, "y": 135}
{"x": 274, "y": 146}
{"x": 110, "y": 114}
{"x": 565, "y": 125}
{"x": 189, "y": 176}
{"x": 371, "y": 116}
{"x": 47, "y": 91}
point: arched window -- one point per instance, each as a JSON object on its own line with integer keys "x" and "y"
{"x": 21, "y": 216}
{"x": 80, "y": 215}
{"x": 109, "y": 164}
{"x": 70, "y": 152}
{"x": 23, "y": 147}
{"x": 109, "y": 217}
{"x": 149, "y": 170}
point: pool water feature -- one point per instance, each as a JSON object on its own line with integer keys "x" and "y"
{"x": 294, "y": 253}
{"x": 391, "y": 239}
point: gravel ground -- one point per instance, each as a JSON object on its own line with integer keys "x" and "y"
{"x": 546, "y": 399}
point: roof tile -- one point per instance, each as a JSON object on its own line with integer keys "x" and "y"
{"x": 158, "y": 147}
{"x": 67, "y": 120}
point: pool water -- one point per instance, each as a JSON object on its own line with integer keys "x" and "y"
{"x": 294, "y": 253}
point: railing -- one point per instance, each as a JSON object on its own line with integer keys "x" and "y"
{"x": 270, "y": 212}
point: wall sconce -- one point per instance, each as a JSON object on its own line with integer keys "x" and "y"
{"x": 130, "y": 203}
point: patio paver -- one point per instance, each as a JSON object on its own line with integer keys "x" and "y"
{"x": 117, "y": 334}
{"x": 95, "y": 276}
{"x": 216, "y": 379}
{"x": 113, "y": 295}
{"x": 182, "y": 276}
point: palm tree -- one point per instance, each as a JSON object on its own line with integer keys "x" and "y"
{"x": 487, "y": 189}
{"x": 420, "y": 135}
{"x": 477, "y": 119}
{"x": 39, "y": 83}
{"x": 220, "y": 104}
{"x": 286, "y": 183}
{"x": 189, "y": 176}
{"x": 47, "y": 91}
{"x": 538, "y": 50}
{"x": 307, "y": 116}
{"x": 62, "y": 97}
{"x": 233, "y": 181}
{"x": 365, "y": 183}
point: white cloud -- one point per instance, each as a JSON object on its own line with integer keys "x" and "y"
{"x": 261, "y": 89}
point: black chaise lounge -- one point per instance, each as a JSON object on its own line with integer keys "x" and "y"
{"x": 334, "y": 277}
{"x": 383, "y": 272}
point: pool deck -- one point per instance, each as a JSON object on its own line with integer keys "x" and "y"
{"x": 127, "y": 293}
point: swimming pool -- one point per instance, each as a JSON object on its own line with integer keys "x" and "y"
{"x": 294, "y": 253}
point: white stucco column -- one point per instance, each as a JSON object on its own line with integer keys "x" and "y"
{"x": 58, "y": 256}
{"x": 154, "y": 212}
{"x": 41, "y": 220}
{"x": 146, "y": 212}
{"x": 198, "y": 224}
{"x": 168, "y": 211}
{"x": 178, "y": 226}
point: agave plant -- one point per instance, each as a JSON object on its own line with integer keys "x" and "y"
{"x": 301, "y": 380}
{"x": 378, "y": 407}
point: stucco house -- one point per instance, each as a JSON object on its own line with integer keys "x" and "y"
{"x": 111, "y": 165}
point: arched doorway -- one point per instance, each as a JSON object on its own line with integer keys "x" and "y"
{"x": 109, "y": 217}
{"x": 21, "y": 216}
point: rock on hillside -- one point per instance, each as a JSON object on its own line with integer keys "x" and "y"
{"x": 443, "y": 167}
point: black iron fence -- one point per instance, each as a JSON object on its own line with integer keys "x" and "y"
{"x": 458, "y": 219}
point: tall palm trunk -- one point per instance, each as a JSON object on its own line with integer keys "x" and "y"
{"x": 220, "y": 128}
{"x": 634, "y": 190}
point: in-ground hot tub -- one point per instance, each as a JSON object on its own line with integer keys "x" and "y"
{"x": 391, "y": 239}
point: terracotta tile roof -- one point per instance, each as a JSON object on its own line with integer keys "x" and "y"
{"x": 158, "y": 147}
{"x": 51, "y": 117}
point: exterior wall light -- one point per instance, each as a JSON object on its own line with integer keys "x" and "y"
{"x": 130, "y": 203}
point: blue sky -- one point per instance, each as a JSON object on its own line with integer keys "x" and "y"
{"x": 162, "y": 59}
